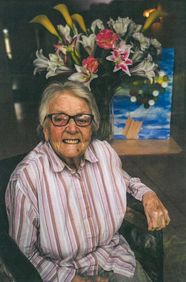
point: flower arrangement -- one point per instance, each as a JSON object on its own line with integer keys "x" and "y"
{"x": 105, "y": 57}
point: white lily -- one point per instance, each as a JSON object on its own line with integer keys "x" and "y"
{"x": 55, "y": 71}
{"x": 146, "y": 68}
{"x": 65, "y": 32}
{"x": 143, "y": 40}
{"x": 97, "y": 24}
{"x": 133, "y": 27}
{"x": 156, "y": 44}
{"x": 83, "y": 75}
{"x": 137, "y": 56}
{"x": 53, "y": 65}
{"x": 120, "y": 25}
{"x": 69, "y": 43}
{"x": 89, "y": 43}
{"x": 41, "y": 62}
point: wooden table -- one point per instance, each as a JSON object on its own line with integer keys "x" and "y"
{"x": 146, "y": 147}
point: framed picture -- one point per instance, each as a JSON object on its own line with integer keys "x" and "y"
{"x": 131, "y": 120}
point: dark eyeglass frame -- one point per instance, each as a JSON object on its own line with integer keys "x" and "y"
{"x": 50, "y": 116}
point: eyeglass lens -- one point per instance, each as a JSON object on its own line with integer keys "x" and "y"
{"x": 63, "y": 119}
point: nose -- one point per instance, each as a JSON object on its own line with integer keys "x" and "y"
{"x": 71, "y": 127}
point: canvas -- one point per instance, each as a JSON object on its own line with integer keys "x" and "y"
{"x": 133, "y": 121}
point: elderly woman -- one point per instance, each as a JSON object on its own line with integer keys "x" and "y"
{"x": 67, "y": 199}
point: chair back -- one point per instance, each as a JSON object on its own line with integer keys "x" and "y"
{"x": 6, "y": 168}
{"x": 14, "y": 261}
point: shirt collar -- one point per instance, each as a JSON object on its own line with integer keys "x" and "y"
{"x": 58, "y": 165}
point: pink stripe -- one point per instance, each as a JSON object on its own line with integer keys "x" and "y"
{"x": 67, "y": 222}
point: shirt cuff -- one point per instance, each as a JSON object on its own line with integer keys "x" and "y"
{"x": 137, "y": 188}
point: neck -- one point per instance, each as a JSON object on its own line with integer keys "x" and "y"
{"x": 73, "y": 163}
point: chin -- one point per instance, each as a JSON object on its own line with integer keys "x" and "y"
{"x": 70, "y": 151}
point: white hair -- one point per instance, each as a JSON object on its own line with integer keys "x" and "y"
{"x": 78, "y": 90}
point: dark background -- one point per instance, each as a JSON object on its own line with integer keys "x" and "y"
{"x": 26, "y": 38}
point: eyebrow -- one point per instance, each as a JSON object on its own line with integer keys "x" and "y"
{"x": 82, "y": 113}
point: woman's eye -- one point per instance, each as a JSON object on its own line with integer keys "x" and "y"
{"x": 60, "y": 118}
{"x": 81, "y": 120}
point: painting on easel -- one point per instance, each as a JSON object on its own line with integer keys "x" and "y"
{"x": 133, "y": 121}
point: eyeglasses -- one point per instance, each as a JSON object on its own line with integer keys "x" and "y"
{"x": 61, "y": 119}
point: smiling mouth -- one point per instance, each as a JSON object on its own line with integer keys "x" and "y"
{"x": 71, "y": 141}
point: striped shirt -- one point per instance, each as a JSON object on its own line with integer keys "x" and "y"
{"x": 66, "y": 221}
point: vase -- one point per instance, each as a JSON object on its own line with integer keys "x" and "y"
{"x": 103, "y": 92}
{"x": 104, "y": 132}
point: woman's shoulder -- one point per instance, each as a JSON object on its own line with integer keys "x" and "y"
{"x": 102, "y": 144}
{"x": 30, "y": 160}
{"x": 102, "y": 148}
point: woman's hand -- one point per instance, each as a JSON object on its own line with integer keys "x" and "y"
{"x": 78, "y": 278}
{"x": 157, "y": 215}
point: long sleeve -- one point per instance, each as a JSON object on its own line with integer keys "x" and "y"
{"x": 133, "y": 184}
{"x": 24, "y": 229}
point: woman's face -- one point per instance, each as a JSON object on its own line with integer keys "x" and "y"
{"x": 70, "y": 141}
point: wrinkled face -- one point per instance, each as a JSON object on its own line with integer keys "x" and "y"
{"x": 70, "y": 141}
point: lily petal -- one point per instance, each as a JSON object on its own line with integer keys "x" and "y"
{"x": 83, "y": 75}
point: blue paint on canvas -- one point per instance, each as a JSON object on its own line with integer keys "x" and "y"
{"x": 156, "y": 119}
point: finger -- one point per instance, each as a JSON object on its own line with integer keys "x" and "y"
{"x": 157, "y": 221}
{"x": 161, "y": 221}
{"x": 149, "y": 223}
{"x": 167, "y": 218}
{"x": 153, "y": 220}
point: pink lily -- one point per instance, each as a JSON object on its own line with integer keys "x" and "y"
{"x": 120, "y": 57}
